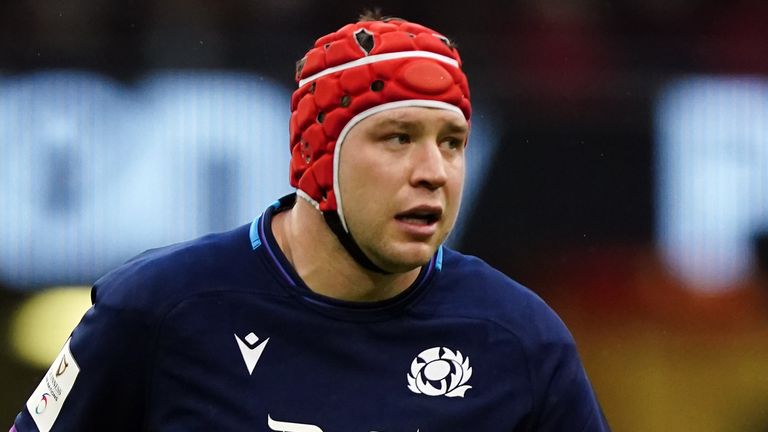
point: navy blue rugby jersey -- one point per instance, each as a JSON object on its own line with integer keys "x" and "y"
{"x": 220, "y": 334}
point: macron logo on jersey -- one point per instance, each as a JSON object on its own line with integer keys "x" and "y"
{"x": 250, "y": 350}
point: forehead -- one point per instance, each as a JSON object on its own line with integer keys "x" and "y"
{"x": 415, "y": 117}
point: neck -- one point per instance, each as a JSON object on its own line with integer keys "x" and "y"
{"x": 323, "y": 263}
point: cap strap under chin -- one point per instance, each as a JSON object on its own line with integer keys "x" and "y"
{"x": 346, "y": 240}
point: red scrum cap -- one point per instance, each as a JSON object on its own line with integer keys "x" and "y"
{"x": 357, "y": 71}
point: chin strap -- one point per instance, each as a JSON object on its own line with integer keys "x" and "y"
{"x": 333, "y": 221}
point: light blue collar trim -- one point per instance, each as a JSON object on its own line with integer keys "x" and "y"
{"x": 254, "y": 234}
{"x": 439, "y": 258}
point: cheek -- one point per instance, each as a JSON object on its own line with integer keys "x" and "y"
{"x": 456, "y": 179}
{"x": 364, "y": 185}
{"x": 351, "y": 176}
{"x": 359, "y": 177}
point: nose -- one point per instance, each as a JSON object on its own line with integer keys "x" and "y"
{"x": 429, "y": 168}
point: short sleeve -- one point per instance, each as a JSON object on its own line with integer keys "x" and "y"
{"x": 98, "y": 380}
{"x": 564, "y": 398}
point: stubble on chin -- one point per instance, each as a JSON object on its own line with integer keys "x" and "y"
{"x": 403, "y": 261}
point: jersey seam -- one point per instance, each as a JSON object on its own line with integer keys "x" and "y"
{"x": 162, "y": 316}
{"x": 590, "y": 419}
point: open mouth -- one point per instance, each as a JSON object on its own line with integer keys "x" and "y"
{"x": 420, "y": 216}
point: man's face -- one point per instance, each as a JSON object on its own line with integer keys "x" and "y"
{"x": 401, "y": 173}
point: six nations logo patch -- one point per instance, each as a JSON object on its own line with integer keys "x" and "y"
{"x": 439, "y": 371}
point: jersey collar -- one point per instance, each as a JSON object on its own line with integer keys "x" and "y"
{"x": 264, "y": 243}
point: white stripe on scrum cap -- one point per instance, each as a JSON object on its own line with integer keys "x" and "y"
{"x": 425, "y": 103}
{"x": 380, "y": 57}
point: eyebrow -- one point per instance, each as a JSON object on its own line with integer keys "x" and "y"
{"x": 451, "y": 127}
{"x": 457, "y": 128}
{"x": 390, "y": 122}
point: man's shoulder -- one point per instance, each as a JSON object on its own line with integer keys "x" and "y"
{"x": 475, "y": 278}
{"x": 474, "y": 289}
{"x": 164, "y": 275}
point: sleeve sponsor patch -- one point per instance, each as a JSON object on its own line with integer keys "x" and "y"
{"x": 45, "y": 403}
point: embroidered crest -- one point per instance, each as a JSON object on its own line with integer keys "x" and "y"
{"x": 439, "y": 371}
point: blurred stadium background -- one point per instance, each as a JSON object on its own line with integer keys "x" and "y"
{"x": 619, "y": 164}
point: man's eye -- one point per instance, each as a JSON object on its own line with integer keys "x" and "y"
{"x": 400, "y": 138}
{"x": 453, "y": 143}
